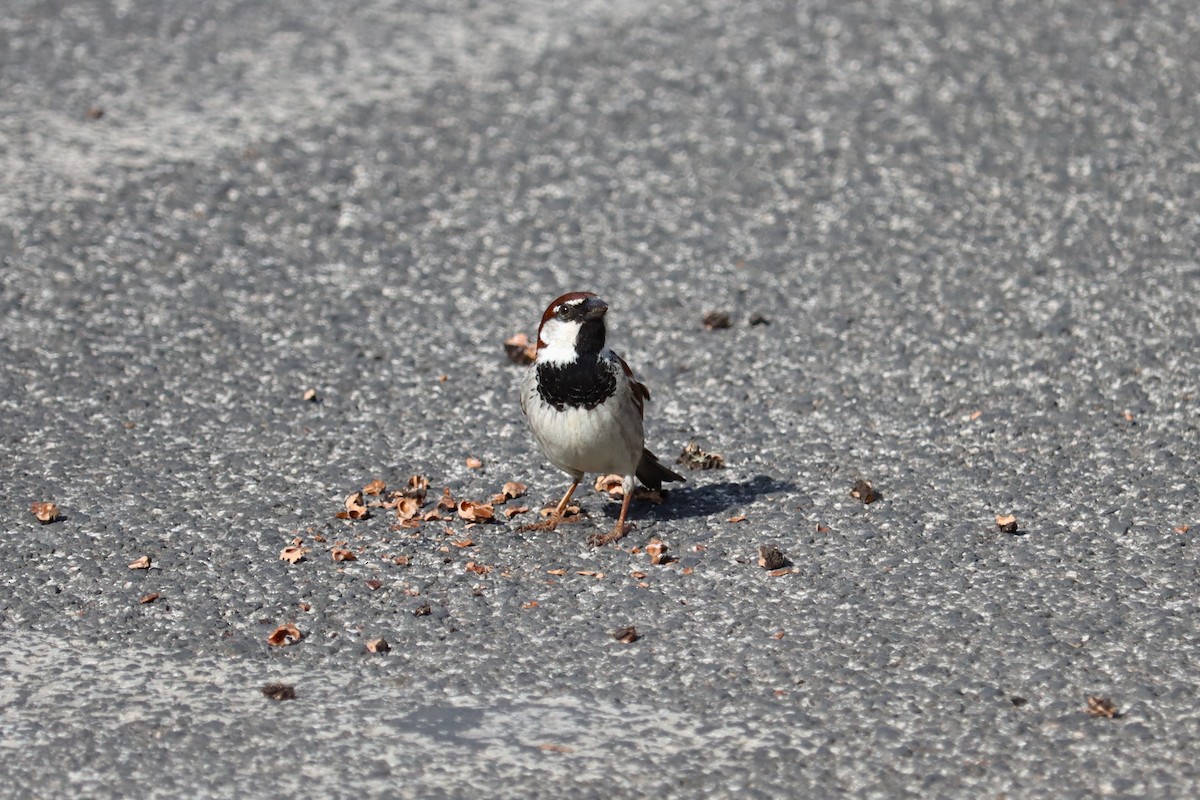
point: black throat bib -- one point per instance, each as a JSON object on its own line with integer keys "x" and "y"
{"x": 586, "y": 382}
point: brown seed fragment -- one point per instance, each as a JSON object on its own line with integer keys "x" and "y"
{"x": 279, "y": 691}
{"x": 778, "y": 634}
{"x": 657, "y": 551}
{"x": 476, "y": 512}
{"x": 423, "y": 610}
{"x": 717, "y": 320}
{"x": 627, "y": 635}
{"x": 447, "y": 501}
{"x": 509, "y": 513}
{"x": 779, "y": 573}
{"x": 613, "y": 484}
{"x": 520, "y": 350}
{"x": 148, "y": 598}
{"x": 771, "y": 557}
{"x": 141, "y": 563}
{"x": 693, "y": 457}
{"x": 530, "y": 604}
{"x": 1006, "y": 523}
{"x": 309, "y": 396}
{"x": 378, "y": 646}
{"x": 402, "y": 561}
{"x": 374, "y": 488}
{"x": 478, "y": 569}
{"x": 738, "y": 518}
{"x": 374, "y": 585}
{"x": 1102, "y": 707}
{"x": 355, "y": 508}
{"x": 461, "y": 543}
{"x": 342, "y": 554}
{"x": 417, "y": 486}
{"x": 474, "y": 463}
{"x": 864, "y": 491}
{"x": 45, "y": 512}
{"x": 292, "y": 554}
{"x": 1182, "y": 528}
{"x": 512, "y": 490}
{"x": 556, "y": 572}
{"x": 407, "y": 508}
{"x": 284, "y": 635}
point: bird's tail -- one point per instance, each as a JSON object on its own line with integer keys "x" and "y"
{"x": 652, "y": 473}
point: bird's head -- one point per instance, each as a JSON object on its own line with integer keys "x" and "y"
{"x": 572, "y": 325}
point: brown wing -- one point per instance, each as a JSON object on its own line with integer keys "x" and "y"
{"x": 641, "y": 394}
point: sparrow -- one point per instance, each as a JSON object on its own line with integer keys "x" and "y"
{"x": 585, "y": 408}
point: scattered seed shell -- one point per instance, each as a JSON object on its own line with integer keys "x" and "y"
{"x": 284, "y": 635}
{"x": 717, "y": 320}
{"x": 309, "y": 396}
{"x": 520, "y": 350}
{"x": 423, "y": 610}
{"x": 1006, "y": 523}
{"x": 771, "y": 557}
{"x": 693, "y": 457}
{"x": 474, "y": 463}
{"x": 148, "y": 598}
{"x": 1102, "y": 707}
{"x": 626, "y": 635}
{"x": 342, "y": 554}
{"x": 279, "y": 691}
{"x": 378, "y": 646}
{"x": 476, "y": 512}
{"x": 141, "y": 563}
{"x": 355, "y": 507}
{"x": 738, "y": 518}
{"x": 509, "y": 513}
{"x": 864, "y": 491}
{"x": 657, "y": 552}
{"x": 613, "y": 484}
{"x": 45, "y": 512}
{"x": 292, "y": 554}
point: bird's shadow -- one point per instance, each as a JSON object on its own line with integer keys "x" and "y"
{"x": 702, "y": 500}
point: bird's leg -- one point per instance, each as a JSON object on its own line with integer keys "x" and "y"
{"x": 620, "y": 529}
{"x": 551, "y": 522}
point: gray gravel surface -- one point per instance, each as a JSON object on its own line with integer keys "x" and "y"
{"x": 972, "y": 228}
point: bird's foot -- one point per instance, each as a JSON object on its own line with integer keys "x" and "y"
{"x": 553, "y": 520}
{"x": 601, "y": 539}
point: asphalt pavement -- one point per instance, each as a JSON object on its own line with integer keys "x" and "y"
{"x": 255, "y": 256}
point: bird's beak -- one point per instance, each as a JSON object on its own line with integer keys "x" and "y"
{"x": 594, "y": 308}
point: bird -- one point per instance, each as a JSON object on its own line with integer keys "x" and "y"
{"x": 585, "y": 408}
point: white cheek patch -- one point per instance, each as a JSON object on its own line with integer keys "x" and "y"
{"x": 560, "y": 340}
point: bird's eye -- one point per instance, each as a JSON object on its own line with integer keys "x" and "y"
{"x": 562, "y": 311}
